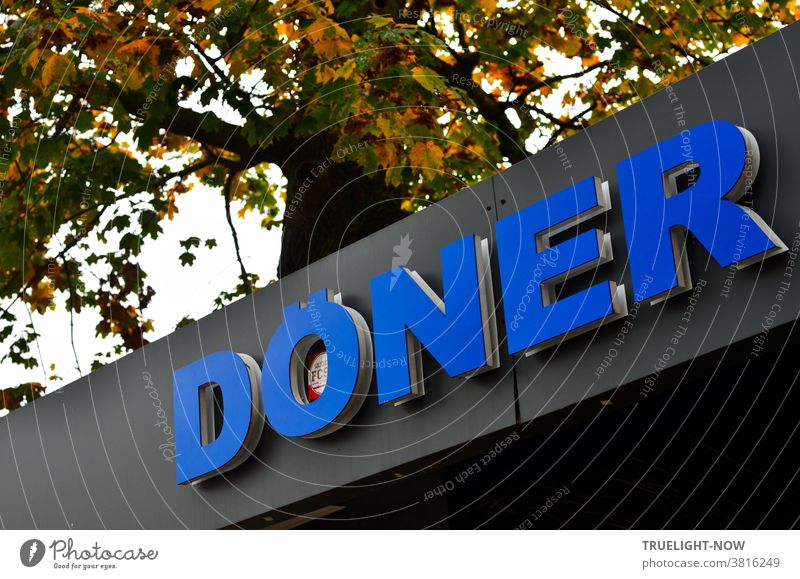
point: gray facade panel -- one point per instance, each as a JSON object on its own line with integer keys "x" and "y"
{"x": 120, "y": 474}
{"x": 755, "y": 88}
{"x": 96, "y": 453}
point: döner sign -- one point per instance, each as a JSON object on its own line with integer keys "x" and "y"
{"x": 690, "y": 182}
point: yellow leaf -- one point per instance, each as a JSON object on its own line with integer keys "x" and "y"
{"x": 394, "y": 176}
{"x": 385, "y": 126}
{"x": 427, "y": 158}
{"x": 478, "y": 151}
{"x": 328, "y": 38}
{"x": 53, "y": 70}
{"x": 428, "y": 79}
{"x": 316, "y": 30}
{"x": 12, "y": 174}
{"x": 135, "y": 79}
{"x": 333, "y": 47}
{"x": 328, "y": 73}
{"x": 33, "y": 59}
{"x": 380, "y": 21}
{"x": 346, "y": 70}
{"x": 325, "y": 74}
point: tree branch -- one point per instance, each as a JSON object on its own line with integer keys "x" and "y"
{"x": 39, "y": 271}
{"x": 188, "y": 123}
{"x": 230, "y": 182}
{"x": 675, "y": 46}
{"x": 72, "y": 296}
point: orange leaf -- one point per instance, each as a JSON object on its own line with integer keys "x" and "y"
{"x": 140, "y": 45}
{"x": 427, "y": 158}
{"x": 387, "y": 154}
{"x": 590, "y": 60}
{"x": 740, "y": 39}
{"x": 53, "y": 70}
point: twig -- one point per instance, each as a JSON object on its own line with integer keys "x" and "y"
{"x": 71, "y": 312}
{"x": 230, "y": 182}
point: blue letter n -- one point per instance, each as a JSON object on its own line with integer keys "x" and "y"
{"x": 458, "y": 331}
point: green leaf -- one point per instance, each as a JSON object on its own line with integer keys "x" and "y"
{"x": 130, "y": 242}
{"x": 84, "y": 121}
{"x": 187, "y": 258}
{"x": 379, "y": 21}
{"x": 185, "y": 321}
{"x": 428, "y": 79}
{"x": 190, "y": 242}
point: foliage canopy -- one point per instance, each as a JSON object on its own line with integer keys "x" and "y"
{"x": 110, "y": 111}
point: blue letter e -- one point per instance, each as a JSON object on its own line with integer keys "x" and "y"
{"x": 218, "y": 415}
{"x": 537, "y": 317}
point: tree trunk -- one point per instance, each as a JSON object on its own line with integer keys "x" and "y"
{"x": 330, "y": 204}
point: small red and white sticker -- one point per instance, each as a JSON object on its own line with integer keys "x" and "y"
{"x": 317, "y": 365}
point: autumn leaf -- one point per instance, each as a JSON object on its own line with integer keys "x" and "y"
{"x": 740, "y": 39}
{"x": 488, "y": 6}
{"x": 387, "y": 154}
{"x": 138, "y": 46}
{"x": 13, "y": 398}
{"x": 427, "y": 158}
{"x": 135, "y": 79}
{"x": 328, "y": 39}
{"x": 53, "y": 70}
{"x": 325, "y": 74}
{"x": 32, "y": 60}
{"x": 347, "y": 70}
{"x": 428, "y": 79}
{"x": 379, "y": 21}
{"x": 590, "y": 60}
{"x": 80, "y": 79}
{"x": 287, "y": 29}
